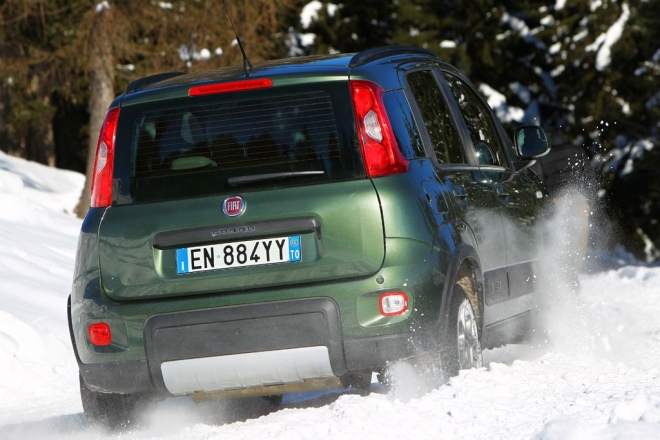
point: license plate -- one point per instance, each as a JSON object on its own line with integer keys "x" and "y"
{"x": 239, "y": 254}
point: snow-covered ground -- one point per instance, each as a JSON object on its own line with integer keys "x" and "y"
{"x": 595, "y": 376}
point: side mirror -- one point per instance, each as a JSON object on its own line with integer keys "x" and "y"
{"x": 531, "y": 142}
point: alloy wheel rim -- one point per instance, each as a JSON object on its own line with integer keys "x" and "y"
{"x": 467, "y": 338}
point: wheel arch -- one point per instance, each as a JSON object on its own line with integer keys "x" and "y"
{"x": 70, "y": 324}
{"x": 465, "y": 269}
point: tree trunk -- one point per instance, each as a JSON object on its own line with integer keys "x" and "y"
{"x": 102, "y": 80}
{"x": 4, "y": 117}
{"x": 40, "y": 142}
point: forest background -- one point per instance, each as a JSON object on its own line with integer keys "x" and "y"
{"x": 585, "y": 69}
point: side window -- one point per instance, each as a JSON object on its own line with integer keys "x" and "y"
{"x": 477, "y": 116}
{"x": 437, "y": 117}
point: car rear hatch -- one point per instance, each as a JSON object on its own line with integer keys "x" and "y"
{"x": 232, "y": 190}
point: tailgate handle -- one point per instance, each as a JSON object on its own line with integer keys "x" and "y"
{"x": 219, "y": 233}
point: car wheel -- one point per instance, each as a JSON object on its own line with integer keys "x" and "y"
{"x": 111, "y": 410}
{"x": 461, "y": 346}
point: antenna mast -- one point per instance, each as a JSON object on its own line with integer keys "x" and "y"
{"x": 247, "y": 65}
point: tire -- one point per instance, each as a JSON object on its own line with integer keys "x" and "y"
{"x": 461, "y": 341}
{"x": 111, "y": 410}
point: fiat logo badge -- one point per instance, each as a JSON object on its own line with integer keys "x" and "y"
{"x": 233, "y": 206}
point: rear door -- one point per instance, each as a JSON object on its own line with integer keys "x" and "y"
{"x": 239, "y": 191}
{"x": 477, "y": 215}
{"x": 515, "y": 193}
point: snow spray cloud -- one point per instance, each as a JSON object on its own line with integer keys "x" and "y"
{"x": 570, "y": 230}
{"x": 177, "y": 414}
{"x": 562, "y": 321}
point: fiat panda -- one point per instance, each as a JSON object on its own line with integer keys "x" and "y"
{"x": 299, "y": 226}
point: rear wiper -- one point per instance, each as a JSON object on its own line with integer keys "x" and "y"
{"x": 241, "y": 180}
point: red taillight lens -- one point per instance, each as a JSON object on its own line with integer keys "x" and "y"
{"x": 99, "y": 334}
{"x": 393, "y": 303}
{"x": 379, "y": 149}
{"x": 235, "y": 86}
{"x": 103, "y": 163}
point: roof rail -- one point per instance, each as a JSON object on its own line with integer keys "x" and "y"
{"x": 143, "y": 83}
{"x": 381, "y": 52}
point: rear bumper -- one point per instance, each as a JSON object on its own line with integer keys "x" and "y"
{"x": 363, "y": 354}
{"x": 260, "y": 345}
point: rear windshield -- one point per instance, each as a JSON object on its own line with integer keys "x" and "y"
{"x": 214, "y": 144}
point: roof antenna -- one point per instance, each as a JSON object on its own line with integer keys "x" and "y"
{"x": 247, "y": 65}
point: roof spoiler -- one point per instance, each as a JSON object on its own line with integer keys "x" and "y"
{"x": 385, "y": 51}
{"x": 143, "y": 83}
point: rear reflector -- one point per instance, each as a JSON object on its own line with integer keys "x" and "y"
{"x": 393, "y": 303}
{"x": 103, "y": 163}
{"x": 236, "y": 86}
{"x": 379, "y": 148}
{"x": 99, "y": 334}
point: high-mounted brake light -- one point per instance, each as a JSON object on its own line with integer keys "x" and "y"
{"x": 99, "y": 334}
{"x": 379, "y": 148}
{"x": 236, "y": 86}
{"x": 393, "y": 303}
{"x": 103, "y": 163}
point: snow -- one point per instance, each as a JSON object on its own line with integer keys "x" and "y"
{"x": 522, "y": 29}
{"x": 548, "y": 21}
{"x": 580, "y": 35}
{"x": 332, "y": 9}
{"x": 627, "y": 152}
{"x": 203, "y": 54}
{"x": 497, "y": 101}
{"x": 555, "y": 48}
{"x": 298, "y": 43}
{"x": 37, "y": 250}
{"x": 603, "y": 44}
{"x": 310, "y": 13}
{"x": 191, "y": 53}
{"x": 101, "y": 6}
{"x": 595, "y": 375}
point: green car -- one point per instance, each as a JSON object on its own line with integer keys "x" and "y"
{"x": 298, "y": 227}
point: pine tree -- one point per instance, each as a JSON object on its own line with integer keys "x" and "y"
{"x": 354, "y": 26}
{"x": 34, "y": 36}
{"x": 633, "y": 176}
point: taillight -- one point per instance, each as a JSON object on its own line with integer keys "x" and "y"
{"x": 393, "y": 303}
{"x": 103, "y": 163}
{"x": 379, "y": 148}
{"x": 235, "y": 86}
{"x": 99, "y": 334}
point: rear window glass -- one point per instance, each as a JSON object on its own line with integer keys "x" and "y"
{"x": 267, "y": 138}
